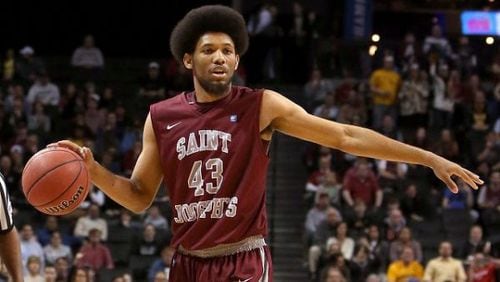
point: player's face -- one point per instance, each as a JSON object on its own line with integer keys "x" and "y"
{"x": 213, "y": 62}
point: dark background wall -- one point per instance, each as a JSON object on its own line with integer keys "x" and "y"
{"x": 121, "y": 28}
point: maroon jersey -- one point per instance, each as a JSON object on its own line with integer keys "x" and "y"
{"x": 215, "y": 165}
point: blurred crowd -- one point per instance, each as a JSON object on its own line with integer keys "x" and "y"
{"x": 374, "y": 220}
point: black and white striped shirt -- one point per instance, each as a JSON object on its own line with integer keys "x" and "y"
{"x": 6, "y": 223}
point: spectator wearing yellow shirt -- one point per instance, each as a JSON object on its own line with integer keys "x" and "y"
{"x": 384, "y": 86}
{"x": 445, "y": 267}
{"x": 406, "y": 268}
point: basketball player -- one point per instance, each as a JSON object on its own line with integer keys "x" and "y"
{"x": 10, "y": 251}
{"x": 210, "y": 148}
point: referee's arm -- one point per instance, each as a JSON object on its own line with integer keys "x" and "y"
{"x": 10, "y": 251}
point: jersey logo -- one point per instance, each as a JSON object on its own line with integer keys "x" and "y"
{"x": 233, "y": 118}
{"x": 170, "y": 126}
{"x": 246, "y": 280}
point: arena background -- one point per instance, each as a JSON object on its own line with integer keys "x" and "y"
{"x": 327, "y": 69}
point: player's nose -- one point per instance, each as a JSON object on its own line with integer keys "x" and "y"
{"x": 219, "y": 58}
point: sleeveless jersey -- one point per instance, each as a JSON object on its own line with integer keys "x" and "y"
{"x": 215, "y": 166}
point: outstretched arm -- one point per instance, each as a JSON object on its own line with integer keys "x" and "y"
{"x": 136, "y": 193}
{"x": 282, "y": 115}
{"x": 10, "y": 253}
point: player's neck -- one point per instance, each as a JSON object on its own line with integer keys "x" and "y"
{"x": 203, "y": 96}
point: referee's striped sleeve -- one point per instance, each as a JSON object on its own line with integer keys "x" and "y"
{"x": 6, "y": 223}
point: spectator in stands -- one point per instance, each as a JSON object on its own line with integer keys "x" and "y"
{"x": 475, "y": 244}
{"x": 317, "y": 88}
{"x": 44, "y": 234}
{"x": 444, "y": 99}
{"x": 332, "y": 274}
{"x": 82, "y": 274}
{"x": 45, "y": 92}
{"x": 39, "y": 121}
{"x": 489, "y": 153}
{"x": 437, "y": 47}
{"x": 130, "y": 158}
{"x": 161, "y": 276}
{"x": 483, "y": 268}
{"x": 361, "y": 183}
{"x": 316, "y": 215}
{"x": 62, "y": 269}
{"x": 88, "y": 57}
{"x": 391, "y": 176}
{"x": 342, "y": 238}
{"x": 319, "y": 177}
{"x": 9, "y": 66}
{"x": 480, "y": 122}
{"x": 91, "y": 221}
{"x": 162, "y": 264}
{"x": 354, "y": 110}
{"x": 152, "y": 87}
{"x": 489, "y": 200}
{"x": 28, "y": 66}
{"x": 389, "y": 128}
{"x": 385, "y": 83}
{"x": 447, "y": 146}
{"x": 94, "y": 117}
{"x": 466, "y": 59}
{"x": 147, "y": 244}
{"x": 33, "y": 264}
{"x": 413, "y": 99}
{"x": 444, "y": 267}
{"x": 405, "y": 240}
{"x": 30, "y": 246}
{"x": 325, "y": 230}
{"x": 394, "y": 223}
{"x": 95, "y": 197}
{"x": 56, "y": 249}
{"x": 328, "y": 109}
{"x": 378, "y": 247}
{"x": 49, "y": 273}
{"x": 155, "y": 218}
{"x": 409, "y": 52}
{"x": 361, "y": 264}
{"x": 94, "y": 254}
{"x": 358, "y": 221}
{"x": 414, "y": 204}
{"x": 406, "y": 268}
{"x": 17, "y": 115}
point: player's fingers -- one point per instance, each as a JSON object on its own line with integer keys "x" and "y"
{"x": 450, "y": 184}
{"x": 68, "y": 144}
{"x": 469, "y": 180}
{"x": 474, "y": 176}
{"x": 52, "y": 145}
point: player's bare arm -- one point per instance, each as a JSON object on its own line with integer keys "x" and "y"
{"x": 10, "y": 253}
{"x": 279, "y": 113}
{"x": 136, "y": 193}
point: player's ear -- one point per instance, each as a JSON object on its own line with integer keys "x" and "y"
{"x": 237, "y": 62}
{"x": 188, "y": 61}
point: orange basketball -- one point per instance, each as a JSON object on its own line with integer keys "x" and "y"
{"x": 55, "y": 181}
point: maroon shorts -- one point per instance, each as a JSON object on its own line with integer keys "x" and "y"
{"x": 248, "y": 266}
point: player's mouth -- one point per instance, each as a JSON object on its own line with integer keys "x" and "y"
{"x": 218, "y": 72}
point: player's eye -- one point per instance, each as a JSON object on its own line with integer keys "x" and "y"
{"x": 228, "y": 51}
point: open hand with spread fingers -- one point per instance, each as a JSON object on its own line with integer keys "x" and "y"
{"x": 445, "y": 169}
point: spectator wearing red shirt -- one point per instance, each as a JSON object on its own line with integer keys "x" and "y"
{"x": 361, "y": 183}
{"x": 483, "y": 268}
{"x": 94, "y": 254}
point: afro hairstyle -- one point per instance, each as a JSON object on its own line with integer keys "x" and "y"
{"x": 210, "y": 18}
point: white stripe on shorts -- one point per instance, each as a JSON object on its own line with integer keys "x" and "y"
{"x": 265, "y": 266}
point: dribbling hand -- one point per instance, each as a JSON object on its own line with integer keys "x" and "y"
{"x": 84, "y": 152}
